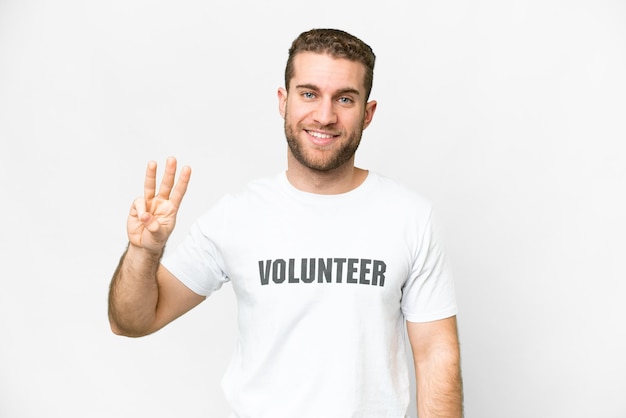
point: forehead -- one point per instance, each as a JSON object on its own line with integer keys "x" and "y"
{"x": 327, "y": 72}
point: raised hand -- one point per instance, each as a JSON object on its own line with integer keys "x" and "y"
{"x": 152, "y": 217}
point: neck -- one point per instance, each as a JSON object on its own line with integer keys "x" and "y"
{"x": 340, "y": 180}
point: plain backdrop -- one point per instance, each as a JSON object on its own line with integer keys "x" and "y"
{"x": 509, "y": 115}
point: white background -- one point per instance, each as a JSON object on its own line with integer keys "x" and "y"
{"x": 508, "y": 115}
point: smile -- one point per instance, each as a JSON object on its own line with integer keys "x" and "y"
{"x": 320, "y": 135}
{"x": 320, "y": 139}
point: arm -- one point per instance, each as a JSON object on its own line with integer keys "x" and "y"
{"x": 436, "y": 354}
{"x": 144, "y": 296}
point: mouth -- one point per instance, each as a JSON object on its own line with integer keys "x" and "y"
{"x": 321, "y": 138}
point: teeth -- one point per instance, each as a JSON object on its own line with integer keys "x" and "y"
{"x": 319, "y": 135}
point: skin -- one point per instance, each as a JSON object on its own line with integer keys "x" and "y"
{"x": 144, "y": 296}
{"x": 325, "y": 112}
{"x": 326, "y": 99}
{"x": 437, "y": 357}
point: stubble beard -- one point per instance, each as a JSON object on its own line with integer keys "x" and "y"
{"x": 331, "y": 159}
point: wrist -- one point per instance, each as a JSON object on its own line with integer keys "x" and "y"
{"x": 143, "y": 253}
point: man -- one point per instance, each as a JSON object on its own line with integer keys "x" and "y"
{"x": 328, "y": 262}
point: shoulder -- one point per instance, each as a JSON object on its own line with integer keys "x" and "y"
{"x": 260, "y": 205}
{"x": 256, "y": 191}
{"x": 250, "y": 196}
{"x": 399, "y": 193}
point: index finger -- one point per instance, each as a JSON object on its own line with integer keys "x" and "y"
{"x": 149, "y": 185}
{"x": 181, "y": 186}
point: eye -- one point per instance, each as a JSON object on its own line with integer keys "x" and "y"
{"x": 308, "y": 95}
{"x": 345, "y": 100}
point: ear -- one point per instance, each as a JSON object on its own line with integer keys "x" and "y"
{"x": 370, "y": 109}
{"x": 282, "y": 101}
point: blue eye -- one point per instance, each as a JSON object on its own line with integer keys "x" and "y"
{"x": 345, "y": 100}
{"x": 308, "y": 95}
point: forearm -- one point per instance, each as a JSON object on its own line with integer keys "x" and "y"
{"x": 134, "y": 293}
{"x": 439, "y": 386}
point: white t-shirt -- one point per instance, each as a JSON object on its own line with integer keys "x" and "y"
{"x": 324, "y": 284}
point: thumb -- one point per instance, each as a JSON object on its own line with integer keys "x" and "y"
{"x": 150, "y": 222}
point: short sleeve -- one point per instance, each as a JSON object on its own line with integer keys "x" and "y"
{"x": 197, "y": 262}
{"x": 428, "y": 294}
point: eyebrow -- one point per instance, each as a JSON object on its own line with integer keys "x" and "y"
{"x": 346, "y": 90}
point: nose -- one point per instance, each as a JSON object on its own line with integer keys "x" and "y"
{"x": 325, "y": 113}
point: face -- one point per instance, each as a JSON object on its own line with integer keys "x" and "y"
{"x": 325, "y": 111}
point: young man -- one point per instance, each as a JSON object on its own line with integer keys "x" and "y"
{"x": 328, "y": 262}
